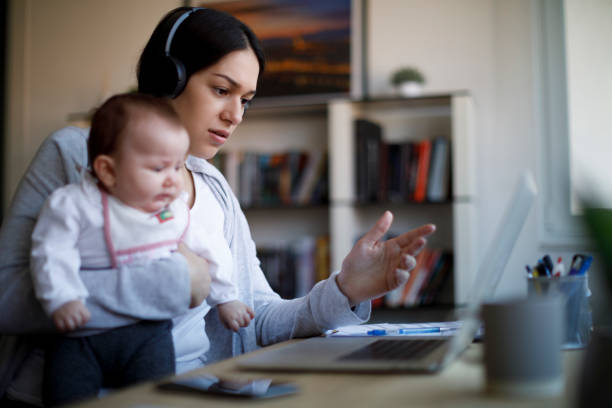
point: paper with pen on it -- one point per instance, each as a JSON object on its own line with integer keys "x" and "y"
{"x": 361, "y": 330}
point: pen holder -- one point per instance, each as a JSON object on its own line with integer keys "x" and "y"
{"x": 575, "y": 293}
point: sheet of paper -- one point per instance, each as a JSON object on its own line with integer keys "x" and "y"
{"x": 392, "y": 329}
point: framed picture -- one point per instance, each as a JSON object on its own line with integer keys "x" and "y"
{"x": 312, "y": 48}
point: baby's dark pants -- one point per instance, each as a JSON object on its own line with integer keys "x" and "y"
{"x": 79, "y": 367}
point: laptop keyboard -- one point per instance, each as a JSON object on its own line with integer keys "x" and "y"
{"x": 387, "y": 349}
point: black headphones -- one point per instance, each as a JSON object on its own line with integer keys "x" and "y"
{"x": 174, "y": 75}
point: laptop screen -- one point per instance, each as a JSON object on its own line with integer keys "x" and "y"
{"x": 495, "y": 259}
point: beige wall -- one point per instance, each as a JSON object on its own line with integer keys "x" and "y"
{"x": 68, "y": 54}
{"x": 588, "y": 33}
{"x": 485, "y": 47}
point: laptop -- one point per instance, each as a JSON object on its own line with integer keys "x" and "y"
{"x": 406, "y": 353}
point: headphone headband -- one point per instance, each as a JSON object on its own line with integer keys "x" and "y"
{"x": 175, "y": 27}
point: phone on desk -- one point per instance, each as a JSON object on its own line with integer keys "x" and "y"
{"x": 247, "y": 389}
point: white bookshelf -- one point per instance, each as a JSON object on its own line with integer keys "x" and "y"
{"x": 406, "y": 120}
{"x": 331, "y": 127}
{"x": 279, "y": 129}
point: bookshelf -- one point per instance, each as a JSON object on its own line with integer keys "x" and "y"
{"x": 330, "y": 127}
{"x": 405, "y": 120}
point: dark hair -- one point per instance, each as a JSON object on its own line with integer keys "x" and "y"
{"x": 112, "y": 119}
{"x": 205, "y": 37}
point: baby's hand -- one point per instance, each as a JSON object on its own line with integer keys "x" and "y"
{"x": 71, "y": 315}
{"x": 235, "y": 314}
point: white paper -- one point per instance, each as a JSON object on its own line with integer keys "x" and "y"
{"x": 394, "y": 329}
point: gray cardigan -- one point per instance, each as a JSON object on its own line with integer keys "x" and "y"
{"x": 160, "y": 291}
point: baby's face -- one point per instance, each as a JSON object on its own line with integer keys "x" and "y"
{"x": 149, "y": 164}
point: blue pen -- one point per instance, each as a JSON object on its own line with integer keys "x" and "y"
{"x": 419, "y": 330}
{"x": 415, "y": 330}
{"x": 586, "y": 265}
{"x": 580, "y": 264}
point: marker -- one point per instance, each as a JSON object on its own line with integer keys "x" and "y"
{"x": 548, "y": 263}
{"x": 559, "y": 269}
{"x": 541, "y": 269}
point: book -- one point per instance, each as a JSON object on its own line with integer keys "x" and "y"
{"x": 248, "y": 175}
{"x": 368, "y": 145}
{"x": 424, "y": 154}
{"x": 323, "y": 258}
{"x": 303, "y": 253}
{"x": 411, "y": 164}
{"x": 431, "y": 268}
{"x": 438, "y": 185}
{"x": 382, "y": 186}
{"x": 438, "y": 281}
{"x": 422, "y": 273}
{"x": 313, "y": 171}
{"x": 394, "y": 175}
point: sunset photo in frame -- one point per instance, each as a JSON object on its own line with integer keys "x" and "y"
{"x": 311, "y": 47}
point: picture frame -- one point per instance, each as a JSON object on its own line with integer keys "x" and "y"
{"x": 313, "y": 49}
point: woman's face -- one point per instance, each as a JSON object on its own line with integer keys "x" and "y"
{"x": 213, "y": 102}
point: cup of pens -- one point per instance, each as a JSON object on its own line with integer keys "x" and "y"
{"x": 548, "y": 279}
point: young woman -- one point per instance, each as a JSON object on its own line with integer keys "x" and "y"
{"x": 209, "y": 64}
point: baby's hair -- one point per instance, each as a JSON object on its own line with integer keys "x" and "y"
{"x": 117, "y": 114}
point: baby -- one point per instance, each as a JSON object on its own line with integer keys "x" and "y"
{"x": 130, "y": 209}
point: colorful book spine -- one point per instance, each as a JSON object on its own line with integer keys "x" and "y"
{"x": 420, "y": 189}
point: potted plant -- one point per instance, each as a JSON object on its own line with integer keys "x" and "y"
{"x": 408, "y": 81}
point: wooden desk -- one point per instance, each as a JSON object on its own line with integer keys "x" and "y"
{"x": 459, "y": 385}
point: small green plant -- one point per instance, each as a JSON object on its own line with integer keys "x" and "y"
{"x": 407, "y": 74}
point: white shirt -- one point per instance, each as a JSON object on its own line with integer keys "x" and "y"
{"x": 74, "y": 214}
{"x": 80, "y": 227}
{"x": 205, "y": 237}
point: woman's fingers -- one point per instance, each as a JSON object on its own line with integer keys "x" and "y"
{"x": 414, "y": 240}
{"x": 401, "y": 277}
{"x": 379, "y": 229}
{"x": 416, "y": 246}
{"x": 408, "y": 262}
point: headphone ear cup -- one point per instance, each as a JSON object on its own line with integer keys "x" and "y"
{"x": 181, "y": 77}
{"x": 172, "y": 78}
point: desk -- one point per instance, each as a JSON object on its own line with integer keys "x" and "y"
{"x": 460, "y": 385}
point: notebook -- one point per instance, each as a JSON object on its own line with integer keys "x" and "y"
{"x": 408, "y": 353}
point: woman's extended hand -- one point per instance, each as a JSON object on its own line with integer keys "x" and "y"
{"x": 374, "y": 267}
{"x": 198, "y": 273}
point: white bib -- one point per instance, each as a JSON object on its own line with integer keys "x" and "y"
{"x": 136, "y": 236}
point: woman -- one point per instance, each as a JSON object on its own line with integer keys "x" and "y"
{"x": 219, "y": 65}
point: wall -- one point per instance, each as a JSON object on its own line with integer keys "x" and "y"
{"x": 68, "y": 54}
{"x": 483, "y": 46}
{"x": 588, "y": 33}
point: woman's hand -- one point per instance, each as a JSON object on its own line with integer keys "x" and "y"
{"x": 198, "y": 273}
{"x": 374, "y": 267}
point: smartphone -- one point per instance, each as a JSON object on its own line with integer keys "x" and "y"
{"x": 247, "y": 389}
